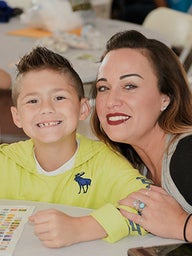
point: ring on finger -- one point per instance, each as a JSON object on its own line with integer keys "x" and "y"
{"x": 139, "y": 206}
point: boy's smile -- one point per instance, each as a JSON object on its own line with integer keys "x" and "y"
{"x": 48, "y": 124}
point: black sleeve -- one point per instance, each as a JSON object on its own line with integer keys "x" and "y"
{"x": 181, "y": 168}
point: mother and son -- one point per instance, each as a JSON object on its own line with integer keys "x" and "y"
{"x": 138, "y": 172}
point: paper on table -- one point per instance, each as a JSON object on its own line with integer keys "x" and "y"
{"x": 30, "y": 32}
{"x": 37, "y": 33}
{"x": 12, "y": 221}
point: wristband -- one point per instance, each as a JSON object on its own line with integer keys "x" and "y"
{"x": 185, "y": 226}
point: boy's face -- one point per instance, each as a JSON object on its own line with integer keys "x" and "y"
{"x": 48, "y": 108}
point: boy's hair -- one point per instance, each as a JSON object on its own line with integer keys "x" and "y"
{"x": 42, "y": 58}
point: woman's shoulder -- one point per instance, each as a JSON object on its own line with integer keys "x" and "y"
{"x": 175, "y": 141}
{"x": 184, "y": 142}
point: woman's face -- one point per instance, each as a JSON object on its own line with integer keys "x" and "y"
{"x": 128, "y": 101}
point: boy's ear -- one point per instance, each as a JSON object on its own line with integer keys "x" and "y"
{"x": 15, "y": 117}
{"x": 85, "y": 109}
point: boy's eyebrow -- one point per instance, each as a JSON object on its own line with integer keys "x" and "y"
{"x": 37, "y": 93}
{"x": 121, "y": 77}
{"x": 53, "y": 90}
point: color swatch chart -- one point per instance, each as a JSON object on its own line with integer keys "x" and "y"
{"x": 12, "y": 221}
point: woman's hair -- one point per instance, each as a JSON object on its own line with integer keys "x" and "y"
{"x": 41, "y": 58}
{"x": 172, "y": 81}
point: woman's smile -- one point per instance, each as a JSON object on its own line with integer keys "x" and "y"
{"x": 117, "y": 118}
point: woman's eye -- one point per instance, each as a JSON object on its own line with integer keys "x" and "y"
{"x": 130, "y": 86}
{"x": 102, "y": 88}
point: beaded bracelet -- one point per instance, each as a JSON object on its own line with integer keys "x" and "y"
{"x": 185, "y": 226}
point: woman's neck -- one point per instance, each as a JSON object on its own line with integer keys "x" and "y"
{"x": 151, "y": 154}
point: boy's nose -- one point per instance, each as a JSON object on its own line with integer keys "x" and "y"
{"x": 47, "y": 107}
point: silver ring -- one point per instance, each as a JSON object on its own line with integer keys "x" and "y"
{"x": 139, "y": 206}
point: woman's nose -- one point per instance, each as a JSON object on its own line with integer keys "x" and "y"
{"x": 113, "y": 99}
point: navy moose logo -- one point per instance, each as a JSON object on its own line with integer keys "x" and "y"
{"x": 84, "y": 183}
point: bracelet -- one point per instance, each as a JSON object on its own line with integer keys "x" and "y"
{"x": 185, "y": 226}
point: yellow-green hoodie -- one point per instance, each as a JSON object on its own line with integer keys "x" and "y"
{"x": 98, "y": 180}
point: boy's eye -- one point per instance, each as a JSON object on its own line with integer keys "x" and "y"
{"x": 32, "y": 101}
{"x": 60, "y": 98}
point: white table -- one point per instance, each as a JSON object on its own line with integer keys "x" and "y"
{"x": 30, "y": 245}
{"x": 12, "y": 48}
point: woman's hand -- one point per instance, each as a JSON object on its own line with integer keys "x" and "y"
{"x": 57, "y": 229}
{"x": 161, "y": 215}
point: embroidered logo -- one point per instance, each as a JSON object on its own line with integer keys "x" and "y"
{"x": 83, "y": 183}
{"x": 145, "y": 181}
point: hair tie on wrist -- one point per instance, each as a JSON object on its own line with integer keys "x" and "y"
{"x": 185, "y": 226}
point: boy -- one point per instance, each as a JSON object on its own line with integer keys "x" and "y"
{"x": 56, "y": 165}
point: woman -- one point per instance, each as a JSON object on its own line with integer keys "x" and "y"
{"x": 144, "y": 109}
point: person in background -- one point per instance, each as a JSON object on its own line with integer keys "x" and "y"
{"x": 5, "y": 80}
{"x": 59, "y": 166}
{"x": 144, "y": 110}
{"x": 135, "y": 11}
{"x": 179, "y": 5}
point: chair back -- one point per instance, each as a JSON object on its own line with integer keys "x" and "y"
{"x": 174, "y": 25}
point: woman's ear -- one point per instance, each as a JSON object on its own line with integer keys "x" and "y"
{"x": 165, "y": 102}
{"x": 15, "y": 117}
{"x": 85, "y": 109}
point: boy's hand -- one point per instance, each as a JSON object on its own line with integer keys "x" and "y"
{"x": 54, "y": 228}
{"x": 57, "y": 229}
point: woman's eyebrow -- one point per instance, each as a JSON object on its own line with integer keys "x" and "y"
{"x": 101, "y": 79}
{"x": 121, "y": 77}
{"x": 128, "y": 75}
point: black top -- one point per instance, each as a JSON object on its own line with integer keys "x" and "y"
{"x": 181, "y": 168}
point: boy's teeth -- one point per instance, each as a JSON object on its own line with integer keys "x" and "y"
{"x": 48, "y": 124}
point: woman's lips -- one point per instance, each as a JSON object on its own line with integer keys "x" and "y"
{"x": 117, "y": 118}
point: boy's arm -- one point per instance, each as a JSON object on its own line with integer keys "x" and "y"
{"x": 115, "y": 225}
{"x": 57, "y": 229}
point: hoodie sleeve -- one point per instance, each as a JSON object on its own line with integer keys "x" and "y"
{"x": 115, "y": 225}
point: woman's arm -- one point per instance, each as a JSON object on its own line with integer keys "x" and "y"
{"x": 160, "y": 3}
